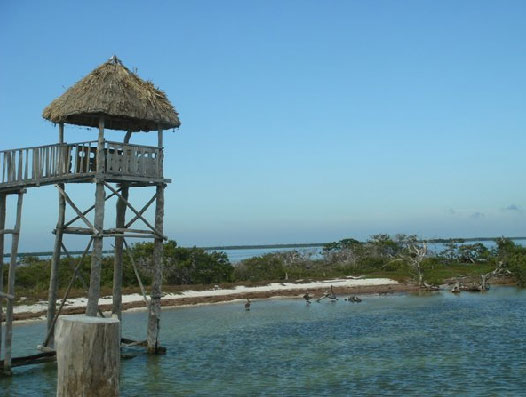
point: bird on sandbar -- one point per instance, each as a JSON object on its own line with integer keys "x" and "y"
{"x": 247, "y": 305}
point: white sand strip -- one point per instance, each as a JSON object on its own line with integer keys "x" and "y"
{"x": 41, "y": 306}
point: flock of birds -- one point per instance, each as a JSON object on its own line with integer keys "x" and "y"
{"x": 331, "y": 296}
{"x": 326, "y": 295}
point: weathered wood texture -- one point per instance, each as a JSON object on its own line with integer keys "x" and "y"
{"x": 55, "y": 260}
{"x": 11, "y": 285}
{"x": 110, "y": 232}
{"x": 62, "y": 162}
{"x": 32, "y": 359}
{"x": 80, "y": 214}
{"x": 126, "y": 159}
{"x": 60, "y": 132}
{"x": 154, "y": 315}
{"x": 2, "y": 226}
{"x": 41, "y": 163}
{"x": 154, "y": 312}
{"x": 120, "y": 218}
{"x": 84, "y": 213}
{"x": 7, "y": 296}
{"x": 142, "y": 211}
{"x": 88, "y": 356}
{"x": 96, "y": 254}
{"x": 125, "y": 201}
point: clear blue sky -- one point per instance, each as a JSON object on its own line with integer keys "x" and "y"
{"x": 301, "y": 120}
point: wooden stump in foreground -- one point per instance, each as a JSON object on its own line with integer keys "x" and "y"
{"x": 88, "y": 356}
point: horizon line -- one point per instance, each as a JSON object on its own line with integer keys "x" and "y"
{"x": 281, "y": 245}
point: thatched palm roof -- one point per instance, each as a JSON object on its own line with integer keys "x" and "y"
{"x": 127, "y": 102}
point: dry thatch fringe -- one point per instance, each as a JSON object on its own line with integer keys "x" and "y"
{"x": 128, "y": 102}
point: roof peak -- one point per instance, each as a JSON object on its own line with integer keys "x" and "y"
{"x": 114, "y": 60}
{"x": 127, "y": 102}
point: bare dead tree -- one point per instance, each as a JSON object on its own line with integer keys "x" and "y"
{"x": 344, "y": 256}
{"x": 500, "y": 270}
{"x": 417, "y": 253}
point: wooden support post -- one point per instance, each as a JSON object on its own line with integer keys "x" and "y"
{"x": 117, "y": 266}
{"x": 96, "y": 255}
{"x": 154, "y": 310}
{"x": 120, "y": 219}
{"x": 60, "y": 132}
{"x": 50, "y": 330}
{"x": 88, "y": 356}
{"x": 2, "y": 226}
{"x": 55, "y": 260}
{"x": 11, "y": 285}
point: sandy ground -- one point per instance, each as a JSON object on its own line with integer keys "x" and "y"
{"x": 341, "y": 287}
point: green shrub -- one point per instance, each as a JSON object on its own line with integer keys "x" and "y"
{"x": 261, "y": 268}
{"x": 186, "y": 265}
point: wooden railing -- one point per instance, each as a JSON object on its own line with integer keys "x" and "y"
{"x": 133, "y": 160}
{"x": 35, "y": 165}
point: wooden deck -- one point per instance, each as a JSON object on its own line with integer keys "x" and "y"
{"x": 77, "y": 163}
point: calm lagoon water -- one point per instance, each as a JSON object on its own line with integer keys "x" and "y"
{"x": 435, "y": 344}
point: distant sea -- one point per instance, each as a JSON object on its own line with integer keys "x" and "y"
{"x": 238, "y": 254}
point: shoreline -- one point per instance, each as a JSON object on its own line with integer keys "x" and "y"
{"x": 133, "y": 302}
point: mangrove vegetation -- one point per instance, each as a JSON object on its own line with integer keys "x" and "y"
{"x": 403, "y": 258}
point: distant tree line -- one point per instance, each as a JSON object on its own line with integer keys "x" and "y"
{"x": 400, "y": 257}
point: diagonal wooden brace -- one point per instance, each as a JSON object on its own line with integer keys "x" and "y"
{"x": 79, "y": 213}
{"x": 88, "y": 210}
{"x": 7, "y": 296}
{"x": 66, "y": 295}
{"x": 135, "y": 211}
{"x": 80, "y": 276}
{"x": 143, "y": 291}
{"x": 141, "y": 212}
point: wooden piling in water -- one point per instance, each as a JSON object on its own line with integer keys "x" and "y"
{"x": 154, "y": 312}
{"x": 2, "y": 226}
{"x": 55, "y": 259}
{"x": 11, "y": 284}
{"x": 88, "y": 356}
{"x": 96, "y": 255}
{"x": 120, "y": 219}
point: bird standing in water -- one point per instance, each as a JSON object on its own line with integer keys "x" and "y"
{"x": 332, "y": 296}
{"x": 247, "y": 305}
{"x": 353, "y": 299}
{"x": 307, "y": 298}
